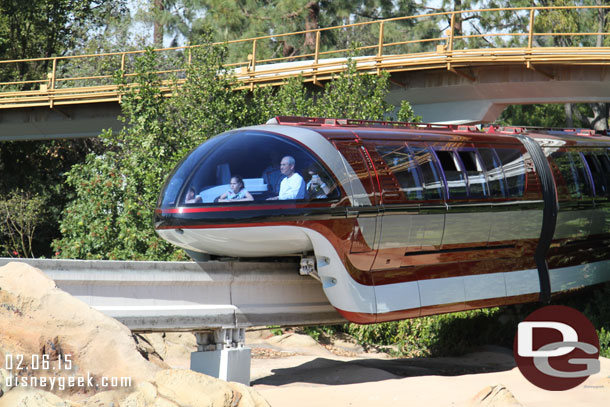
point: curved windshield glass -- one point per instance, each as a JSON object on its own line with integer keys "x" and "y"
{"x": 249, "y": 166}
{"x": 175, "y": 181}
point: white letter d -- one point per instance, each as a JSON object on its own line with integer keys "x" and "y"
{"x": 525, "y": 338}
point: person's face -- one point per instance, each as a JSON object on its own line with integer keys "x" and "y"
{"x": 190, "y": 194}
{"x": 285, "y": 167}
{"x": 235, "y": 186}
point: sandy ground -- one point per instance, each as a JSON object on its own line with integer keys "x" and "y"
{"x": 293, "y": 370}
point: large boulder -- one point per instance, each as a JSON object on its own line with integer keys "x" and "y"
{"x": 40, "y": 322}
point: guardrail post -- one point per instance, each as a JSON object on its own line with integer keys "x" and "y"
{"x": 122, "y": 73}
{"x": 451, "y": 31}
{"x": 450, "y": 42}
{"x": 380, "y": 47}
{"x": 252, "y": 58}
{"x": 316, "y": 59}
{"x": 530, "y": 36}
{"x": 52, "y": 84}
{"x": 530, "y": 39}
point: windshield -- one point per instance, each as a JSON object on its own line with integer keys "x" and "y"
{"x": 248, "y": 166}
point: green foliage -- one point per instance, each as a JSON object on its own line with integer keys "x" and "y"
{"x": 354, "y": 95}
{"x": 116, "y": 191}
{"x": 319, "y": 331}
{"x": 21, "y": 213}
{"x": 232, "y": 20}
{"x": 206, "y": 103}
{"x": 604, "y": 342}
{"x": 275, "y": 330}
{"x": 291, "y": 99}
{"x": 351, "y": 94}
{"x": 406, "y": 113}
{"x": 551, "y": 115}
{"x": 37, "y": 168}
{"x": 440, "y": 335}
{"x": 45, "y": 28}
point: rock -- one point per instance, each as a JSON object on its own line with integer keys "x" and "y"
{"x": 494, "y": 396}
{"x": 148, "y": 351}
{"x": 37, "y": 318}
{"x": 185, "y": 387}
{"x": 249, "y": 397}
{"x": 174, "y": 348}
{"x": 110, "y": 398}
{"x": 32, "y": 397}
{"x": 3, "y": 387}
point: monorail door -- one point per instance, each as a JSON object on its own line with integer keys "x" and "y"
{"x": 412, "y": 223}
{"x": 363, "y": 209}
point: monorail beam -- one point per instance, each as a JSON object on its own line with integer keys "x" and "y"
{"x": 187, "y": 296}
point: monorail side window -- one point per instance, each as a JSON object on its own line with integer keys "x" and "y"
{"x": 495, "y": 175}
{"x": 597, "y": 174}
{"x": 477, "y": 185}
{"x": 431, "y": 175}
{"x": 573, "y": 172}
{"x": 402, "y": 164}
{"x": 456, "y": 181}
{"x": 513, "y": 166}
{"x": 604, "y": 163}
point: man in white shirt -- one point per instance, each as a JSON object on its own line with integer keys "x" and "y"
{"x": 292, "y": 186}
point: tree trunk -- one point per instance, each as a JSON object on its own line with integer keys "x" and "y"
{"x": 569, "y": 119}
{"x": 457, "y": 28}
{"x": 159, "y": 7}
{"x": 311, "y": 23}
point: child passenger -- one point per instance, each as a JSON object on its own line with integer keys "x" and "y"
{"x": 237, "y": 193}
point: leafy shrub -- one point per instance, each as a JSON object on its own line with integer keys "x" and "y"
{"x": 21, "y": 213}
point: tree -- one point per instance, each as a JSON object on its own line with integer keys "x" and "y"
{"x": 20, "y": 215}
{"x": 235, "y": 20}
{"x": 45, "y": 28}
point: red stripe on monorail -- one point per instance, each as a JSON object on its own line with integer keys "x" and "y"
{"x": 238, "y": 208}
{"x": 222, "y": 226}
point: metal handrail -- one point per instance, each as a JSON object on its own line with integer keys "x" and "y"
{"x": 257, "y": 70}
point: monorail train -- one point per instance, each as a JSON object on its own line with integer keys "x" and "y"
{"x": 402, "y": 220}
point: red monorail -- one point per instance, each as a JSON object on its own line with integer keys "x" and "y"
{"x": 412, "y": 219}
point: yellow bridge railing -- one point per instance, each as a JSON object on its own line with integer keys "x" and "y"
{"x": 382, "y": 45}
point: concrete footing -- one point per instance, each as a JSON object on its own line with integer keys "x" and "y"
{"x": 222, "y": 354}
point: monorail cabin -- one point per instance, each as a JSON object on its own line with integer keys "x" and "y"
{"x": 401, "y": 220}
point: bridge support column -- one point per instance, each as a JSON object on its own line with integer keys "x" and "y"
{"x": 222, "y": 354}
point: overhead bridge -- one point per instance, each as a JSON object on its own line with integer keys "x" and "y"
{"x": 458, "y": 74}
{"x": 215, "y": 300}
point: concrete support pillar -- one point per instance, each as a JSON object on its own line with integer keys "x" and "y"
{"x": 222, "y": 353}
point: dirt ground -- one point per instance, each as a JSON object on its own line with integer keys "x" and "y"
{"x": 294, "y": 370}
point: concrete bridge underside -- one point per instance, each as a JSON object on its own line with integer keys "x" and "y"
{"x": 65, "y": 121}
{"x": 462, "y": 95}
{"x": 480, "y": 94}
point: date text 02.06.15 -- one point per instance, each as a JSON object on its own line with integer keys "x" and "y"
{"x": 20, "y": 362}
